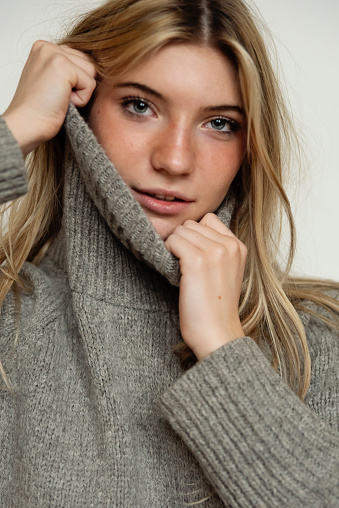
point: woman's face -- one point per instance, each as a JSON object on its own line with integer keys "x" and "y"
{"x": 175, "y": 129}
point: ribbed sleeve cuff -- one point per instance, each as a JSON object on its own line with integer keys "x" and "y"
{"x": 257, "y": 442}
{"x": 13, "y": 175}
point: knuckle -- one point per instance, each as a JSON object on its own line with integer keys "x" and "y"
{"x": 49, "y": 53}
{"x": 243, "y": 249}
{"x": 93, "y": 84}
{"x": 199, "y": 261}
{"x": 43, "y": 47}
{"x": 172, "y": 236}
{"x": 37, "y": 49}
{"x": 233, "y": 245}
{"x": 58, "y": 58}
{"x": 208, "y": 218}
{"x": 38, "y": 44}
{"x": 189, "y": 223}
{"x": 92, "y": 71}
{"x": 234, "y": 248}
{"x": 179, "y": 229}
{"x": 218, "y": 253}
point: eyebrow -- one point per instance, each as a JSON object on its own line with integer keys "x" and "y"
{"x": 225, "y": 107}
{"x": 158, "y": 95}
{"x": 143, "y": 88}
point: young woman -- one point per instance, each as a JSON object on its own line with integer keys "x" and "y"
{"x": 155, "y": 213}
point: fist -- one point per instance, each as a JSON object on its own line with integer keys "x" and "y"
{"x": 212, "y": 263}
{"x": 52, "y": 77}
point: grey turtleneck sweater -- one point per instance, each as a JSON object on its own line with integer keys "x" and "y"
{"x": 103, "y": 415}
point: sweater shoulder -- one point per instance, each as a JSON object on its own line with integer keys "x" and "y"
{"x": 323, "y": 343}
{"x": 321, "y": 326}
{"x": 13, "y": 176}
{"x": 33, "y": 310}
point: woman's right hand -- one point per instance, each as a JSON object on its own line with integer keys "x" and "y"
{"x": 53, "y": 77}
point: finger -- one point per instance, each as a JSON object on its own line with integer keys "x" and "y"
{"x": 83, "y": 81}
{"x": 72, "y": 51}
{"x": 212, "y": 221}
{"x": 217, "y": 235}
{"x": 80, "y": 59}
{"x": 224, "y": 236}
{"x": 44, "y": 53}
{"x": 82, "y": 88}
{"x": 180, "y": 246}
{"x": 215, "y": 247}
{"x": 201, "y": 237}
{"x": 49, "y": 48}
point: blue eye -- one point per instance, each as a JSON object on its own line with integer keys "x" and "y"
{"x": 137, "y": 107}
{"x": 219, "y": 124}
{"x": 224, "y": 125}
{"x": 140, "y": 106}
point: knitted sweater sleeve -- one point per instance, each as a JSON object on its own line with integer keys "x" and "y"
{"x": 258, "y": 444}
{"x": 13, "y": 175}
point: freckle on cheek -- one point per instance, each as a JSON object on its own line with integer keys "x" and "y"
{"x": 219, "y": 297}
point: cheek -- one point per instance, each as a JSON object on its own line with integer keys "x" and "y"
{"x": 222, "y": 169}
{"x": 225, "y": 163}
{"x": 236, "y": 153}
{"x": 112, "y": 134}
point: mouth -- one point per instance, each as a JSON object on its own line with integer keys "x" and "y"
{"x": 163, "y": 197}
{"x": 161, "y": 202}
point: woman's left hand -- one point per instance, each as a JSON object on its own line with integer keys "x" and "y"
{"x": 212, "y": 263}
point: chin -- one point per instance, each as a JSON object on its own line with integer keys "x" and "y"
{"x": 162, "y": 227}
{"x": 164, "y": 234}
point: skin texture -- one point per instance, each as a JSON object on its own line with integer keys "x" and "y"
{"x": 171, "y": 145}
{"x": 173, "y": 127}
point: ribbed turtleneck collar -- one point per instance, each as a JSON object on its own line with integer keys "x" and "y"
{"x": 89, "y": 173}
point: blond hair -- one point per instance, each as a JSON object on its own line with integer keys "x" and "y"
{"x": 119, "y": 35}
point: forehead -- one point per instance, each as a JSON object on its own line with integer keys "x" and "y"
{"x": 190, "y": 70}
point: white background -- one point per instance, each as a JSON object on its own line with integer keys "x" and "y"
{"x": 307, "y": 39}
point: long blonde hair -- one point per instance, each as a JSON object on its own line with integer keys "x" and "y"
{"x": 119, "y": 35}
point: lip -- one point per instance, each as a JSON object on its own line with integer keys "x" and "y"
{"x": 158, "y": 205}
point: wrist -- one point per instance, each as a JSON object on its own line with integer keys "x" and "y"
{"x": 207, "y": 347}
{"x": 22, "y": 131}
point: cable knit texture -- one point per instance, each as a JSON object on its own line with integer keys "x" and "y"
{"x": 102, "y": 414}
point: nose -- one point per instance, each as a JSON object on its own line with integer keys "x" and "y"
{"x": 173, "y": 150}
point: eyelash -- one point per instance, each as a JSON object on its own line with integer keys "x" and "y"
{"x": 233, "y": 125}
{"x": 127, "y": 101}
